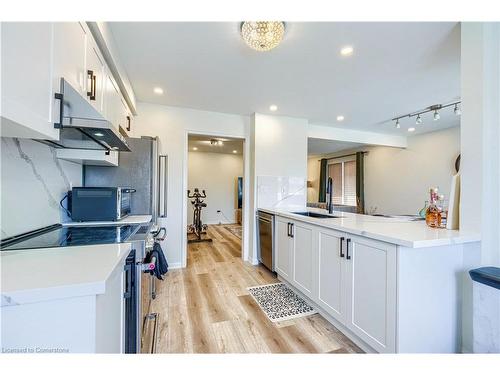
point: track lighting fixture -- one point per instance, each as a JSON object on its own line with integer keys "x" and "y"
{"x": 433, "y": 108}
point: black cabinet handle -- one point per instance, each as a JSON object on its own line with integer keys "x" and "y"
{"x": 348, "y": 241}
{"x": 288, "y": 229}
{"x": 59, "y": 97}
{"x": 128, "y": 123}
{"x": 93, "y": 78}
{"x": 341, "y": 245}
{"x": 128, "y": 275}
{"x": 291, "y": 229}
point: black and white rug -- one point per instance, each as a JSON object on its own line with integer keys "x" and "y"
{"x": 279, "y": 302}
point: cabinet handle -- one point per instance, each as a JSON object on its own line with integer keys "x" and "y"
{"x": 288, "y": 229}
{"x": 341, "y": 244}
{"x": 291, "y": 230}
{"x": 59, "y": 97}
{"x": 128, "y": 123}
{"x": 93, "y": 77}
{"x": 128, "y": 275}
{"x": 347, "y": 242}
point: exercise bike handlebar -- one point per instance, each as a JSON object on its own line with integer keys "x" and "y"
{"x": 197, "y": 194}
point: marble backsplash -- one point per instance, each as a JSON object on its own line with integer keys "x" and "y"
{"x": 33, "y": 181}
{"x": 281, "y": 191}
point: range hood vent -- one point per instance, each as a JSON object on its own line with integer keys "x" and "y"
{"x": 82, "y": 126}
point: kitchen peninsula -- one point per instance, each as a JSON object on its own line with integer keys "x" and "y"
{"x": 392, "y": 285}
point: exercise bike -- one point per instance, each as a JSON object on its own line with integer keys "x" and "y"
{"x": 198, "y": 228}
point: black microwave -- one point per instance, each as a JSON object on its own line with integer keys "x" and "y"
{"x": 99, "y": 203}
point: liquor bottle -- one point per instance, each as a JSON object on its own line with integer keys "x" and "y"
{"x": 433, "y": 214}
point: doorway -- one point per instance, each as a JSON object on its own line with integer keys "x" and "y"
{"x": 214, "y": 198}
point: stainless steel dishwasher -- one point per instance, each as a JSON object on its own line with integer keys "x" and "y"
{"x": 266, "y": 239}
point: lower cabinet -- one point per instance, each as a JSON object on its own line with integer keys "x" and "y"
{"x": 370, "y": 284}
{"x": 351, "y": 278}
{"x": 283, "y": 247}
{"x": 331, "y": 270}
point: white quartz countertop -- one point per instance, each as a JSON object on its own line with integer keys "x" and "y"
{"x": 401, "y": 231}
{"x": 30, "y": 276}
{"x": 132, "y": 219}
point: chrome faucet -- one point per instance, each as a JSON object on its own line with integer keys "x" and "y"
{"x": 329, "y": 191}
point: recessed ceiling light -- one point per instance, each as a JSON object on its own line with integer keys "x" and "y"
{"x": 99, "y": 134}
{"x": 340, "y": 118}
{"x": 235, "y": 152}
{"x": 346, "y": 51}
{"x": 411, "y": 129}
{"x": 273, "y": 107}
{"x": 195, "y": 148}
{"x": 158, "y": 91}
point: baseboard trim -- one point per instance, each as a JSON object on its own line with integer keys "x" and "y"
{"x": 173, "y": 266}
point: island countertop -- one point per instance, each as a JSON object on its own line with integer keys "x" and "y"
{"x": 36, "y": 275}
{"x": 398, "y": 230}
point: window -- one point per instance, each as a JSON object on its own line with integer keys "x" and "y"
{"x": 343, "y": 174}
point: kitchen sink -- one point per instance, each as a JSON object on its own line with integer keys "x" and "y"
{"x": 317, "y": 215}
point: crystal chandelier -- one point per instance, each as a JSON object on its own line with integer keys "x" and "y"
{"x": 262, "y": 35}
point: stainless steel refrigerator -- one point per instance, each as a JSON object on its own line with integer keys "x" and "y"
{"x": 143, "y": 169}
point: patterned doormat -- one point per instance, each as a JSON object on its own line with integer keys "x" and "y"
{"x": 235, "y": 230}
{"x": 279, "y": 302}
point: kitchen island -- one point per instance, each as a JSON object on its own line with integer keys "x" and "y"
{"x": 391, "y": 284}
{"x": 63, "y": 299}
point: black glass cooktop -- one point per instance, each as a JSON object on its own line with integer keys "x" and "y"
{"x": 59, "y": 236}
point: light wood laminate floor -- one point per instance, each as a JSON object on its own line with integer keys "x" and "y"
{"x": 206, "y": 308}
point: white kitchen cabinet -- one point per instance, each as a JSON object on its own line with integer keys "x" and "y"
{"x": 35, "y": 56}
{"x": 283, "y": 246}
{"x": 70, "y": 40}
{"x": 371, "y": 291}
{"x": 303, "y": 257}
{"x": 331, "y": 271}
{"x": 26, "y": 85}
{"x": 95, "y": 76}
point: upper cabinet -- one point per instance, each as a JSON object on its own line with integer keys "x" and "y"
{"x": 27, "y": 80}
{"x": 96, "y": 77}
{"x": 35, "y": 56}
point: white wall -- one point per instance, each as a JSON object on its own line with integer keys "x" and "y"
{"x": 172, "y": 125}
{"x": 397, "y": 180}
{"x": 33, "y": 181}
{"x": 217, "y": 174}
{"x": 280, "y": 160}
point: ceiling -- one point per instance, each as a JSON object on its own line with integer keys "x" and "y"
{"x": 202, "y": 143}
{"x": 396, "y": 68}
{"x": 316, "y": 146}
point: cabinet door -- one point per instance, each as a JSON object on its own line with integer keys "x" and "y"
{"x": 283, "y": 262}
{"x": 69, "y": 56}
{"x": 371, "y": 292}
{"x": 113, "y": 107}
{"x": 331, "y": 273}
{"x": 303, "y": 257}
{"x": 96, "y": 77}
{"x": 26, "y": 84}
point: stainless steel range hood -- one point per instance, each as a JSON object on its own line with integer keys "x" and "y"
{"x": 82, "y": 126}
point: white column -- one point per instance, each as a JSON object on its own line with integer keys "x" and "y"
{"x": 480, "y": 162}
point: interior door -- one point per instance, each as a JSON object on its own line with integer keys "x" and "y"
{"x": 371, "y": 292}
{"x": 331, "y": 273}
{"x": 303, "y": 257}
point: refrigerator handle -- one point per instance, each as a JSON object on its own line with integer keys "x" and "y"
{"x": 162, "y": 185}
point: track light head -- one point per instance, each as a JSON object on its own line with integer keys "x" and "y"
{"x": 397, "y": 124}
{"x": 437, "y": 116}
{"x": 457, "y": 110}
{"x": 418, "y": 121}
